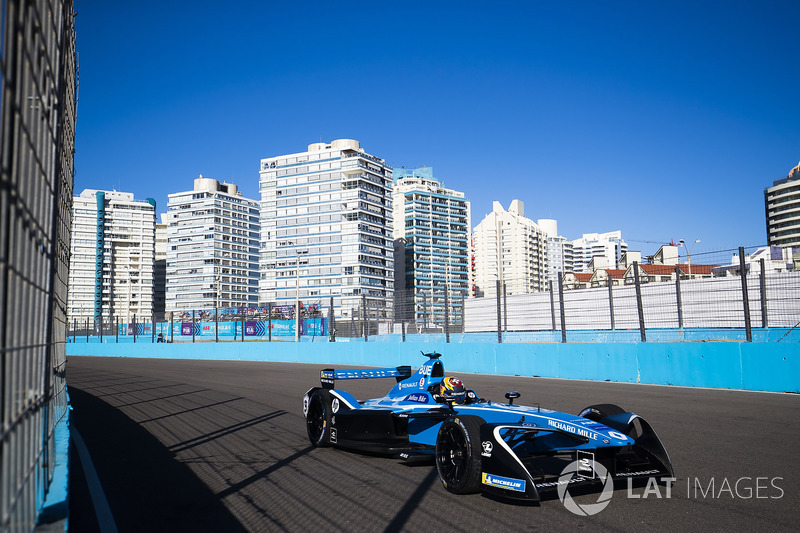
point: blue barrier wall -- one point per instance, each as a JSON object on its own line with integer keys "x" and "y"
{"x": 728, "y": 365}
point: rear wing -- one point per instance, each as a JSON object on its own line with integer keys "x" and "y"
{"x": 328, "y": 376}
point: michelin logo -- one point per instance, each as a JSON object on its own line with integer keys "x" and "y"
{"x": 507, "y": 483}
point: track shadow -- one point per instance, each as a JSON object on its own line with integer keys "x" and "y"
{"x": 146, "y": 488}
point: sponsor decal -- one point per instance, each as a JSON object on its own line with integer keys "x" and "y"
{"x": 335, "y": 405}
{"x": 334, "y": 435}
{"x": 635, "y": 474}
{"x": 487, "y": 448}
{"x": 326, "y": 376}
{"x": 421, "y": 382}
{"x": 585, "y": 462}
{"x": 413, "y": 385}
{"x": 305, "y": 405}
{"x": 583, "y": 432}
{"x": 572, "y": 474}
{"x": 501, "y": 482}
{"x": 417, "y": 397}
{"x": 617, "y": 435}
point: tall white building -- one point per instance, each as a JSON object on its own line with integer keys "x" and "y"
{"x": 609, "y": 246}
{"x": 111, "y": 266}
{"x": 326, "y": 217}
{"x": 431, "y": 255}
{"x": 782, "y": 206}
{"x": 212, "y": 248}
{"x": 560, "y": 256}
{"x": 510, "y": 248}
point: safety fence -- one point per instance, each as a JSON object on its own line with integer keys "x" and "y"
{"x": 37, "y": 132}
{"x": 706, "y": 300}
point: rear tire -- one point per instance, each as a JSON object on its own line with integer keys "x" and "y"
{"x": 600, "y": 411}
{"x": 458, "y": 454}
{"x": 318, "y": 418}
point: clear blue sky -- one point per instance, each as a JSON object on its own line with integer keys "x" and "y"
{"x": 665, "y": 120}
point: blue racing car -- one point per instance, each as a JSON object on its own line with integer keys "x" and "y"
{"x": 505, "y": 449}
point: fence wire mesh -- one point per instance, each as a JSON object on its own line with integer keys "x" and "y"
{"x": 37, "y": 131}
{"x": 702, "y": 298}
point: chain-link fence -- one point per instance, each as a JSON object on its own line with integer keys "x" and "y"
{"x": 702, "y": 297}
{"x": 37, "y": 132}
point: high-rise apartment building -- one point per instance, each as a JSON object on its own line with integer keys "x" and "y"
{"x": 326, "y": 217}
{"x": 560, "y": 256}
{"x": 111, "y": 271}
{"x": 609, "y": 246}
{"x": 511, "y": 249}
{"x": 212, "y": 248}
{"x": 431, "y": 253}
{"x": 782, "y": 206}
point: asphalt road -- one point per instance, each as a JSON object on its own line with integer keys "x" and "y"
{"x": 221, "y": 446}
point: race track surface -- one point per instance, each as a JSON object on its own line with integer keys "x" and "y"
{"x": 222, "y": 446}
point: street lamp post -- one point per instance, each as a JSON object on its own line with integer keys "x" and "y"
{"x": 689, "y": 255}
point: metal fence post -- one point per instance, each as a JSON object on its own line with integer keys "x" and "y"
{"x": 216, "y": 324}
{"x": 269, "y": 322}
{"x": 505, "y": 308}
{"x": 763, "y": 294}
{"x": 552, "y": 304}
{"x": 678, "y": 295}
{"x": 364, "y": 316}
{"x": 234, "y": 329}
{"x": 446, "y": 315}
{"x": 639, "y": 300}
{"x": 152, "y": 329}
{"x": 74, "y": 329}
{"x": 171, "y": 328}
{"x": 424, "y": 313}
{"x": 561, "y": 306}
{"x": 463, "y": 314}
{"x": 87, "y": 329}
{"x": 611, "y": 300}
{"x": 116, "y": 329}
{"x": 242, "y": 339}
{"x": 101, "y": 329}
{"x": 745, "y": 298}
{"x": 134, "y": 328}
{"x": 331, "y": 322}
{"x": 352, "y": 323}
{"x": 499, "y": 315}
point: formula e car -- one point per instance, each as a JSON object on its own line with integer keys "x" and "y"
{"x": 505, "y": 449}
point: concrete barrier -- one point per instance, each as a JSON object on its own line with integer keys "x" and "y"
{"x": 727, "y": 365}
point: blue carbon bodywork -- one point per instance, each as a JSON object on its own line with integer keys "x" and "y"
{"x": 513, "y": 438}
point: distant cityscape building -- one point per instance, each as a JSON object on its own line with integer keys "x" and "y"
{"x": 431, "y": 225}
{"x": 782, "y": 206}
{"x": 327, "y": 229}
{"x": 112, "y": 250}
{"x": 560, "y": 255}
{"x": 511, "y": 249}
{"x": 212, "y": 248}
{"x": 776, "y": 259}
{"x": 608, "y": 245}
{"x": 160, "y": 271}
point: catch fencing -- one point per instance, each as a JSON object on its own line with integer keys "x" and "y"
{"x": 706, "y": 299}
{"x": 37, "y": 132}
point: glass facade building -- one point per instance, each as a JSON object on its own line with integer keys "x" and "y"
{"x": 431, "y": 249}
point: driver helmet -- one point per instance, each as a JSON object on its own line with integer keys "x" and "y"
{"x": 452, "y": 389}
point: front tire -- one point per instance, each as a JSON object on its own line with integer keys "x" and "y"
{"x": 458, "y": 454}
{"x": 318, "y": 418}
{"x": 600, "y": 411}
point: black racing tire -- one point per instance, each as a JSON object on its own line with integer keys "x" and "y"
{"x": 601, "y": 410}
{"x": 318, "y": 418}
{"x": 458, "y": 454}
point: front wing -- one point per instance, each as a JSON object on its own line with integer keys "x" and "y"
{"x": 521, "y": 461}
